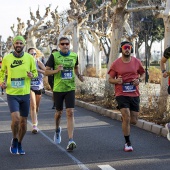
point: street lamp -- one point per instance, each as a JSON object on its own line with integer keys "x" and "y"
{"x": 147, "y": 26}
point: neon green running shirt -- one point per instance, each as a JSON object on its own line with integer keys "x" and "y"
{"x": 64, "y": 80}
{"x": 18, "y": 83}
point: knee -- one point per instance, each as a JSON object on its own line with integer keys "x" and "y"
{"x": 15, "y": 120}
{"x": 126, "y": 119}
{"x": 133, "y": 121}
{"x": 70, "y": 113}
{"x": 23, "y": 125}
{"x": 33, "y": 106}
{"x": 58, "y": 114}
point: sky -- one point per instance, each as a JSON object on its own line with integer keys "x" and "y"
{"x": 11, "y": 9}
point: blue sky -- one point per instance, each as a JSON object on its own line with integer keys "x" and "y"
{"x": 11, "y": 9}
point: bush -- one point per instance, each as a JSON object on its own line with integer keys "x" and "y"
{"x": 155, "y": 75}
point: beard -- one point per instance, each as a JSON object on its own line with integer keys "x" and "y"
{"x": 127, "y": 55}
{"x": 18, "y": 49}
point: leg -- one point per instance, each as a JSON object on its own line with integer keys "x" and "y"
{"x": 15, "y": 124}
{"x": 126, "y": 128}
{"x": 38, "y": 99}
{"x": 125, "y": 121}
{"x": 15, "y": 132}
{"x": 70, "y": 103}
{"x": 59, "y": 97}
{"x": 70, "y": 122}
{"x": 133, "y": 117}
{"x": 57, "y": 134}
{"x": 33, "y": 108}
{"x": 57, "y": 118}
{"x": 24, "y": 111}
{"x": 22, "y": 128}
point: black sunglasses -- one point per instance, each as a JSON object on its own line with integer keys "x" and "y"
{"x": 33, "y": 53}
{"x": 64, "y": 44}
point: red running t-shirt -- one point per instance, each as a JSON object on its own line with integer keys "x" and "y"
{"x": 129, "y": 72}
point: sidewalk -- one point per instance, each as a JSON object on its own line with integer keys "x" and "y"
{"x": 115, "y": 114}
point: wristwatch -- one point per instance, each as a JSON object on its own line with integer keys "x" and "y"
{"x": 140, "y": 80}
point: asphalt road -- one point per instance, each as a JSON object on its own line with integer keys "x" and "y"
{"x": 99, "y": 144}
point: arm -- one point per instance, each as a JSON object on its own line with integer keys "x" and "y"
{"x": 49, "y": 72}
{"x": 50, "y": 67}
{"x": 80, "y": 77}
{"x": 42, "y": 67}
{"x": 115, "y": 81}
{"x": 3, "y": 75}
{"x": 33, "y": 70}
{"x": 142, "y": 77}
{"x": 163, "y": 66}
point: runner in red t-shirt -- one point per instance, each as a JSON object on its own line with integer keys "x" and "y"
{"x": 126, "y": 73}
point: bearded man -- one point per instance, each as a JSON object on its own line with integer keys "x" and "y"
{"x": 126, "y": 73}
{"x": 20, "y": 68}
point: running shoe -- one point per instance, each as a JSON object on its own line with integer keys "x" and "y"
{"x": 71, "y": 145}
{"x": 20, "y": 150}
{"x": 128, "y": 147}
{"x": 14, "y": 146}
{"x": 35, "y": 129}
{"x": 167, "y": 126}
{"x": 57, "y": 136}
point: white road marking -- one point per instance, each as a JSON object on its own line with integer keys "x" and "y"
{"x": 106, "y": 167}
{"x": 80, "y": 164}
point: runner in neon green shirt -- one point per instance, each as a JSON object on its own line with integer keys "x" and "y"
{"x": 65, "y": 67}
{"x": 20, "y": 68}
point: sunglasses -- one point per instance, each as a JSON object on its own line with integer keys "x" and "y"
{"x": 64, "y": 44}
{"x": 19, "y": 43}
{"x": 125, "y": 47}
{"x": 33, "y": 53}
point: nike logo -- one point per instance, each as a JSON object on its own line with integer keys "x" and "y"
{"x": 16, "y": 63}
{"x": 12, "y": 66}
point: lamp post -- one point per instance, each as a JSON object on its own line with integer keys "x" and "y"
{"x": 147, "y": 26}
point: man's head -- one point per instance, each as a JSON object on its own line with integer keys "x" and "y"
{"x": 166, "y": 53}
{"x": 126, "y": 48}
{"x": 32, "y": 51}
{"x": 64, "y": 45}
{"x": 19, "y": 43}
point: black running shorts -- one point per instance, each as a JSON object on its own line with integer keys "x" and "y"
{"x": 128, "y": 102}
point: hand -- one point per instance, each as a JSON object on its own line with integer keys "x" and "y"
{"x": 119, "y": 80}
{"x": 135, "y": 82}
{"x": 80, "y": 77}
{"x": 165, "y": 74}
{"x": 3, "y": 85}
{"x": 60, "y": 67}
{"x": 29, "y": 74}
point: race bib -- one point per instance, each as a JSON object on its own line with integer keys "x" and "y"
{"x": 128, "y": 87}
{"x": 17, "y": 82}
{"x": 35, "y": 82}
{"x": 66, "y": 73}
